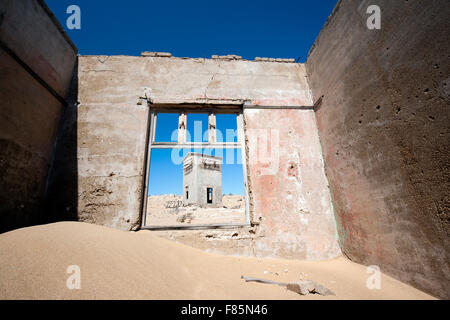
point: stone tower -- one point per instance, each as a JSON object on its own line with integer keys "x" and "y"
{"x": 202, "y": 180}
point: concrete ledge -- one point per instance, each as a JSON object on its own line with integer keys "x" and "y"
{"x": 258, "y": 59}
{"x": 227, "y": 57}
{"x": 156, "y": 54}
{"x": 57, "y": 24}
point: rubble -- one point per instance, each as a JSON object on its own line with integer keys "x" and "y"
{"x": 259, "y": 59}
{"x": 300, "y": 287}
{"x": 156, "y": 54}
{"x": 309, "y": 287}
{"x": 226, "y": 57}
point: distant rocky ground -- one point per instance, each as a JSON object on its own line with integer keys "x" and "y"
{"x": 168, "y": 210}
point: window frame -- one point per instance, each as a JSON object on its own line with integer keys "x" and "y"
{"x": 183, "y": 144}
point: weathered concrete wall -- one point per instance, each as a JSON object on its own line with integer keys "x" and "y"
{"x": 112, "y": 126}
{"x": 384, "y": 126}
{"x": 36, "y": 65}
{"x": 291, "y": 199}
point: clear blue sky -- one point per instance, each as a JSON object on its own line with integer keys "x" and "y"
{"x": 281, "y": 29}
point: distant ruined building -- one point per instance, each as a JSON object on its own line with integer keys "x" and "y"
{"x": 202, "y": 180}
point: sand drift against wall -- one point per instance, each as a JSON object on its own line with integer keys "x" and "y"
{"x": 122, "y": 265}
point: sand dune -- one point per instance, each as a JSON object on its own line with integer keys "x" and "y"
{"x": 125, "y": 265}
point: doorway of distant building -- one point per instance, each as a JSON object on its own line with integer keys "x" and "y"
{"x": 209, "y": 195}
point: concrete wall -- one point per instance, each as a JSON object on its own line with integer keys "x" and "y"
{"x": 384, "y": 127}
{"x": 289, "y": 190}
{"x": 111, "y": 129}
{"x": 36, "y": 65}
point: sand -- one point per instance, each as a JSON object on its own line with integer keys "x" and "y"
{"x": 167, "y": 210}
{"x": 138, "y": 265}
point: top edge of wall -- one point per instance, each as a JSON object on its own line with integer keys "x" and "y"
{"x": 258, "y": 60}
{"x": 330, "y": 17}
{"x": 57, "y": 24}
